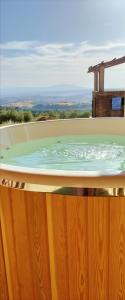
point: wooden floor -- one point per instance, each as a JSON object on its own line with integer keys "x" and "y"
{"x": 58, "y": 247}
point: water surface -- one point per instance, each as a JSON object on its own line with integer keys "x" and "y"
{"x": 77, "y": 153}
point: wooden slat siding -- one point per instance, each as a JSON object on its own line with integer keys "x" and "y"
{"x": 59, "y": 247}
{"x": 9, "y": 243}
{"x": 98, "y": 244}
{"x": 102, "y": 104}
{"x": 38, "y": 247}
{"x": 52, "y": 259}
{"x": 22, "y": 247}
{"x": 58, "y": 208}
{"x": 77, "y": 243}
{"x": 117, "y": 249}
{"x": 3, "y": 279}
{"x": 25, "y": 238}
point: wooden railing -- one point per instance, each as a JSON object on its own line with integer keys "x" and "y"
{"x": 61, "y": 247}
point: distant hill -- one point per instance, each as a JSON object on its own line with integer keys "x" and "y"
{"x": 55, "y": 97}
{"x": 56, "y": 90}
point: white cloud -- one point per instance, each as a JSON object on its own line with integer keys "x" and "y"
{"x": 18, "y": 45}
{"x": 100, "y": 48}
{"x": 49, "y": 64}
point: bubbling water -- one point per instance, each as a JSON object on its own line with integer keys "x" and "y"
{"x": 83, "y": 153}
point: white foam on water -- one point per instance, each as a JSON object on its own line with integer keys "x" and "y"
{"x": 70, "y": 153}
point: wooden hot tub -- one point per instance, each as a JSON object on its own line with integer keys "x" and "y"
{"x": 54, "y": 246}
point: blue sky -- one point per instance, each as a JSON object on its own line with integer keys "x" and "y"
{"x": 47, "y": 42}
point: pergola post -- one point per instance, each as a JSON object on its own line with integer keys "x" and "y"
{"x": 96, "y": 81}
{"x": 100, "y": 107}
{"x": 101, "y": 79}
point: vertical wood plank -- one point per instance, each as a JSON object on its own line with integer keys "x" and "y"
{"x": 49, "y": 204}
{"x": 98, "y": 243}
{"x": 59, "y": 247}
{"x": 24, "y": 227}
{"x": 58, "y": 210}
{"x": 117, "y": 249}
{"x": 101, "y": 79}
{"x": 77, "y": 246}
{"x": 3, "y": 279}
{"x": 21, "y": 239}
{"x": 9, "y": 243}
{"x": 96, "y": 81}
{"x": 38, "y": 244}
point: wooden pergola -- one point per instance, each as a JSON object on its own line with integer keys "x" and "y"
{"x": 99, "y": 69}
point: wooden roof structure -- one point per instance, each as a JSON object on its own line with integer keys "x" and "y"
{"x": 98, "y": 71}
{"x": 107, "y": 64}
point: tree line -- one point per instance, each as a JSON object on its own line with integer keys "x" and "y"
{"x": 18, "y": 116}
{"x": 15, "y": 116}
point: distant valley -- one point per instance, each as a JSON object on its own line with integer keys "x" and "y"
{"x": 53, "y": 98}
